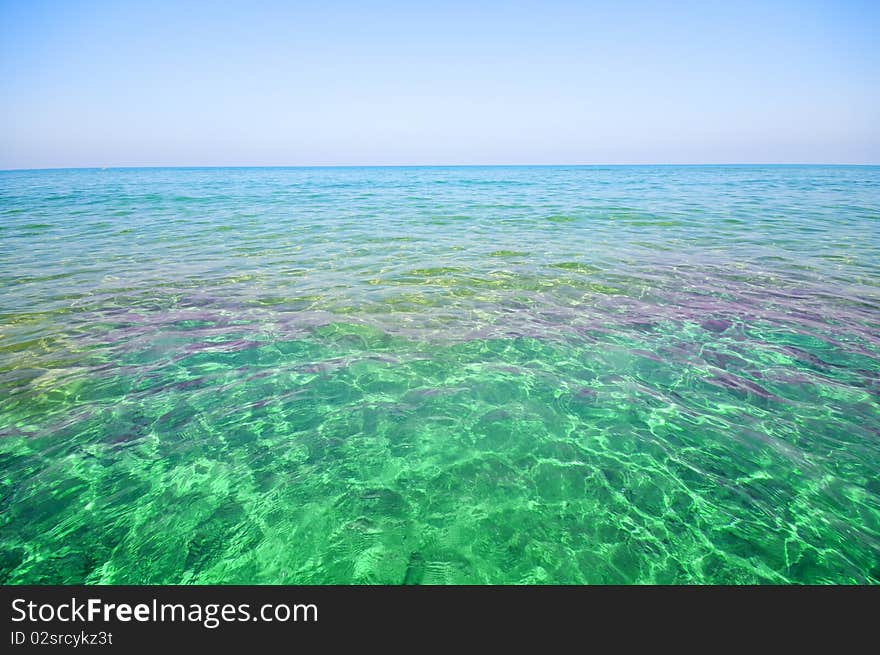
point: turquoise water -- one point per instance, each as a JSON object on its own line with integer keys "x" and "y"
{"x": 440, "y": 375}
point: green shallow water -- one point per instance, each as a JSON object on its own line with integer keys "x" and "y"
{"x": 440, "y": 375}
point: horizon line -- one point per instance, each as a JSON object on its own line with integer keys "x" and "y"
{"x": 527, "y": 165}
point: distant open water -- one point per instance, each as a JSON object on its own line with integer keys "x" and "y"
{"x": 440, "y": 375}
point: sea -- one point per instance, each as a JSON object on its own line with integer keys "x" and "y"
{"x": 440, "y": 375}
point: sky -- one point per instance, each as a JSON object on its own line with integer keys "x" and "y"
{"x": 184, "y": 83}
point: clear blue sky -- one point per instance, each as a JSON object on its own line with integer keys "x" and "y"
{"x": 123, "y": 83}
